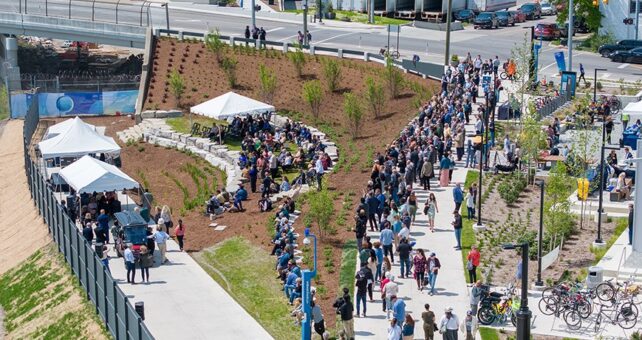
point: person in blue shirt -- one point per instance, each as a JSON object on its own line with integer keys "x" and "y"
{"x": 290, "y": 284}
{"x": 239, "y": 197}
{"x": 379, "y": 255}
{"x": 398, "y": 309}
{"x": 373, "y": 206}
{"x": 458, "y": 196}
{"x": 387, "y": 237}
{"x": 102, "y": 234}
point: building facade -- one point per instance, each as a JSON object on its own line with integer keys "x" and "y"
{"x": 613, "y": 21}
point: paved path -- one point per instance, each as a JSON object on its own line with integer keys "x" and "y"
{"x": 183, "y": 302}
{"x": 451, "y": 283}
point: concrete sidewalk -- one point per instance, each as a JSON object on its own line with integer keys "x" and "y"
{"x": 183, "y": 302}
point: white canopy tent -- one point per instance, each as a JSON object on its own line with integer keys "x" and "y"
{"x": 231, "y": 105}
{"x": 78, "y": 140}
{"x": 91, "y": 175}
{"x": 634, "y": 110}
{"x": 64, "y": 126}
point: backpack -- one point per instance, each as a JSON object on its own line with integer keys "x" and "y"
{"x": 362, "y": 281}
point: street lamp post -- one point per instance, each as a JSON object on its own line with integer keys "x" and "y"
{"x": 523, "y": 315}
{"x": 481, "y": 173}
{"x": 539, "y": 282}
{"x": 598, "y": 240}
{"x": 253, "y": 14}
{"x": 307, "y": 276}
{"x": 305, "y": 23}
{"x": 448, "y": 20}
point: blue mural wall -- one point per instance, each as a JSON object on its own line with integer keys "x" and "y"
{"x": 76, "y": 103}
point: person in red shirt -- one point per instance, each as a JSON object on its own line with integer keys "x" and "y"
{"x": 180, "y": 233}
{"x": 473, "y": 263}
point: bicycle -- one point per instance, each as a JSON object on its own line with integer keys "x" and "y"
{"x": 607, "y": 291}
{"x": 562, "y": 298}
{"x": 504, "y": 76}
{"x": 626, "y": 315}
{"x": 613, "y": 102}
{"x": 392, "y": 54}
{"x": 498, "y": 307}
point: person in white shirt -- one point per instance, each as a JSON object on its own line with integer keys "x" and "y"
{"x": 130, "y": 263}
{"x": 449, "y": 325}
{"x": 391, "y": 288}
{"x": 394, "y": 331}
{"x": 318, "y": 167}
{"x": 161, "y": 237}
{"x": 404, "y": 233}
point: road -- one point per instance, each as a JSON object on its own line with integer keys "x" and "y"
{"x": 429, "y": 45}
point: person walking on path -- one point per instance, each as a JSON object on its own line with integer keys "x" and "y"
{"x": 161, "y": 237}
{"x": 625, "y": 120}
{"x": 363, "y": 279}
{"x": 145, "y": 261}
{"x": 475, "y": 296}
{"x": 319, "y": 322}
{"x": 427, "y": 172}
{"x": 398, "y": 309}
{"x": 387, "y": 238}
{"x": 469, "y": 326}
{"x": 180, "y": 234}
{"x": 433, "y": 270}
{"x": 360, "y": 228}
{"x": 105, "y": 258}
{"x": 458, "y": 196}
{"x": 428, "y": 317}
{"x": 389, "y": 290}
{"x": 419, "y": 265}
{"x": 130, "y": 264}
{"x": 394, "y": 331}
{"x": 379, "y": 256}
{"x": 582, "y": 74}
{"x": 449, "y": 325}
{"x": 345, "y": 310}
{"x": 470, "y": 203}
{"x": 431, "y": 209}
{"x": 408, "y": 329}
{"x": 472, "y": 263}
{"x": 457, "y": 225}
{"x": 404, "y": 258}
{"x": 444, "y": 171}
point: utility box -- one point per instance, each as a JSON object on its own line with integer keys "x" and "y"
{"x": 595, "y": 276}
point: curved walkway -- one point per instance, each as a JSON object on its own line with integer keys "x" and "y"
{"x": 23, "y": 230}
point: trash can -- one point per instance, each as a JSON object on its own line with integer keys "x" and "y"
{"x": 595, "y": 277}
{"x": 140, "y": 309}
{"x": 630, "y": 139}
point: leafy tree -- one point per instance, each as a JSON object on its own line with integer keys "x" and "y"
{"x": 532, "y": 138}
{"x": 332, "y": 74}
{"x": 584, "y": 143}
{"x": 521, "y": 56}
{"x": 321, "y": 210}
{"x": 215, "y": 45}
{"x": 176, "y": 86}
{"x": 313, "y": 95}
{"x": 375, "y": 96}
{"x": 268, "y": 81}
{"x": 354, "y": 112}
{"x": 583, "y": 9}
{"x": 229, "y": 67}
{"x": 393, "y": 77}
{"x": 298, "y": 60}
{"x": 558, "y": 219}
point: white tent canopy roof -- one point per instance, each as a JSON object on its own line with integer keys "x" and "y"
{"x": 63, "y": 126}
{"x": 634, "y": 110}
{"x": 230, "y": 105}
{"x": 78, "y": 140}
{"x": 91, "y": 175}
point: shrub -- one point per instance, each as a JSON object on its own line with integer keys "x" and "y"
{"x": 229, "y": 67}
{"x": 298, "y": 60}
{"x": 176, "y": 85}
{"x": 393, "y": 77}
{"x": 354, "y": 112}
{"x": 332, "y": 74}
{"x": 214, "y": 44}
{"x": 375, "y": 96}
{"x": 268, "y": 81}
{"x": 313, "y": 95}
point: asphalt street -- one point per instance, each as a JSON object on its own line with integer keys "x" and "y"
{"x": 429, "y": 45}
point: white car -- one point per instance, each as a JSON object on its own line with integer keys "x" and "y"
{"x": 66, "y": 44}
{"x": 548, "y": 9}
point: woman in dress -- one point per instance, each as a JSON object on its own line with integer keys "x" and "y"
{"x": 431, "y": 209}
{"x": 419, "y": 264}
{"x": 444, "y": 170}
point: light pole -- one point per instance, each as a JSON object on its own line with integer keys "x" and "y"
{"x": 166, "y": 5}
{"x": 481, "y": 173}
{"x": 595, "y": 83}
{"x": 305, "y": 23}
{"x": 448, "y": 20}
{"x": 571, "y": 14}
{"x": 523, "y": 315}
{"x": 253, "y": 14}
{"x": 539, "y": 282}
{"x": 307, "y": 276}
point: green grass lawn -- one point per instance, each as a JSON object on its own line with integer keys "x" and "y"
{"x": 359, "y": 17}
{"x": 182, "y": 124}
{"x": 348, "y": 266}
{"x": 488, "y": 333}
{"x": 257, "y": 290}
{"x": 467, "y": 233}
{"x": 621, "y": 224}
{"x": 4, "y": 103}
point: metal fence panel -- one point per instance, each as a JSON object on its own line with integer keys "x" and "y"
{"x": 132, "y": 322}
{"x": 76, "y": 252}
{"x": 112, "y": 323}
{"x": 121, "y": 314}
{"x": 100, "y": 292}
{"x": 84, "y": 253}
{"x": 91, "y": 278}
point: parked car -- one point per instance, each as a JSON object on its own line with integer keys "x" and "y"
{"x": 505, "y": 18}
{"x": 630, "y": 56}
{"x": 548, "y": 9}
{"x": 518, "y": 16}
{"x": 622, "y": 45}
{"x": 532, "y": 10}
{"x": 547, "y": 31}
{"x": 486, "y": 20}
{"x": 465, "y": 15}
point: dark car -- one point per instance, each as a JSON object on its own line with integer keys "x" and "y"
{"x": 518, "y": 15}
{"x": 547, "y": 31}
{"x": 630, "y": 56}
{"x": 622, "y": 45}
{"x": 486, "y": 20}
{"x": 505, "y": 18}
{"x": 465, "y": 15}
{"x": 532, "y": 10}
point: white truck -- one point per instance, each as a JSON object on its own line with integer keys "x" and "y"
{"x": 490, "y": 5}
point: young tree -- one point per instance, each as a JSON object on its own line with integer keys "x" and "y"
{"x": 585, "y": 140}
{"x": 268, "y": 81}
{"x": 313, "y": 95}
{"x": 531, "y": 139}
{"x": 298, "y": 60}
{"x": 176, "y": 86}
{"x": 521, "y": 56}
{"x": 332, "y": 74}
{"x": 215, "y": 45}
{"x": 375, "y": 96}
{"x": 393, "y": 78}
{"x": 558, "y": 220}
{"x": 354, "y": 112}
{"x": 229, "y": 67}
{"x": 321, "y": 210}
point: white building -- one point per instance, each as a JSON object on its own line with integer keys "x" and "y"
{"x": 614, "y": 14}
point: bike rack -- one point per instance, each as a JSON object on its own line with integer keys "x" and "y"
{"x": 622, "y": 257}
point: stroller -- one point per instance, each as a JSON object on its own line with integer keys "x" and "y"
{"x": 510, "y": 167}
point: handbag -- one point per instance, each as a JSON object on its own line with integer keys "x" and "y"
{"x": 442, "y": 329}
{"x": 469, "y": 265}
{"x": 435, "y": 326}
